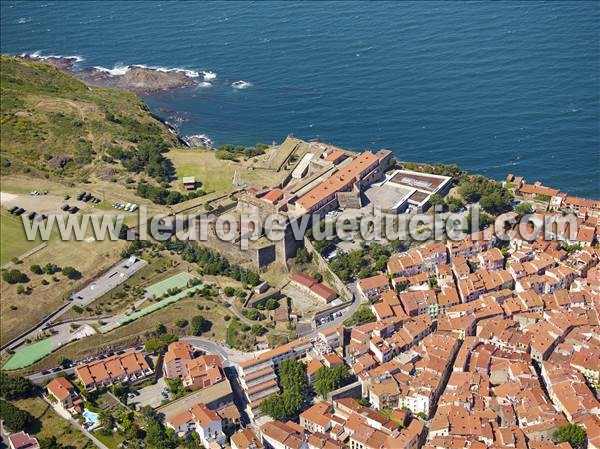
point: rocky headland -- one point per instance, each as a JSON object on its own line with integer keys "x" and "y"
{"x": 135, "y": 78}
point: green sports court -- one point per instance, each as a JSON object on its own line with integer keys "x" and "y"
{"x": 28, "y": 354}
{"x": 179, "y": 280}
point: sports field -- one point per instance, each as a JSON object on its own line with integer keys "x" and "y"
{"x": 179, "y": 280}
{"x": 158, "y": 305}
{"x": 14, "y": 242}
{"x": 29, "y": 354}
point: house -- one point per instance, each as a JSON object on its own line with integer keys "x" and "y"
{"x": 65, "y": 394}
{"x": 273, "y": 196}
{"x": 279, "y": 435}
{"x": 200, "y": 419}
{"x": 312, "y": 287}
{"x": 197, "y": 372}
{"x": 317, "y": 418}
{"x": 22, "y": 440}
{"x": 230, "y": 418}
{"x": 189, "y": 183}
{"x": 128, "y": 367}
{"x": 373, "y": 286}
{"x": 537, "y": 191}
{"x": 311, "y": 370}
{"x": 246, "y": 439}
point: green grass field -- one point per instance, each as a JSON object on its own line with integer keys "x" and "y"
{"x": 215, "y": 175}
{"x": 12, "y": 238}
{"x": 49, "y": 424}
{"x": 28, "y": 354}
{"x": 179, "y": 280}
{"x": 158, "y": 305}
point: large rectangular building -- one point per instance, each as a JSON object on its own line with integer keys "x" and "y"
{"x": 125, "y": 368}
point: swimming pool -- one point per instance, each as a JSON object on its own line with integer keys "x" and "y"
{"x": 91, "y": 418}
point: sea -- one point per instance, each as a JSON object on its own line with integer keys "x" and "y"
{"x": 496, "y": 87}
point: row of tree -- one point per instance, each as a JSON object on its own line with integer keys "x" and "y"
{"x": 212, "y": 263}
{"x": 292, "y": 381}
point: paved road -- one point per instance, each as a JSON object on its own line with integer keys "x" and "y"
{"x": 231, "y": 357}
{"x": 41, "y": 379}
{"x": 357, "y": 300}
{"x": 115, "y": 276}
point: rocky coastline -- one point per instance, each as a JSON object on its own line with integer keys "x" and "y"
{"x": 135, "y": 78}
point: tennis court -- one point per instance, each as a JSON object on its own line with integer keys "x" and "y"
{"x": 179, "y": 280}
{"x": 29, "y": 354}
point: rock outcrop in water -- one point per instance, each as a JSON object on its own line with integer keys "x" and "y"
{"x": 138, "y": 79}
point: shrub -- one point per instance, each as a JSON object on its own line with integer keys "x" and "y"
{"x": 13, "y": 418}
{"x": 71, "y": 273}
{"x": 181, "y": 323}
{"x": 200, "y": 325}
{"x": 14, "y": 276}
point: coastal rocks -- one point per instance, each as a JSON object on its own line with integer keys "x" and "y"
{"x": 198, "y": 140}
{"x": 241, "y": 84}
{"x": 141, "y": 80}
{"x": 63, "y": 63}
{"x": 136, "y": 78}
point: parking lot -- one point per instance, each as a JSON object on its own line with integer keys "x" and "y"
{"x": 303, "y": 303}
{"x": 105, "y": 283}
{"x": 150, "y": 395}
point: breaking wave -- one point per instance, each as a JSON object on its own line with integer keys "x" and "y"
{"x": 241, "y": 84}
{"x": 121, "y": 69}
{"x": 39, "y": 56}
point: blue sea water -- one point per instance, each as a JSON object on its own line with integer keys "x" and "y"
{"x": 496, "y": 87}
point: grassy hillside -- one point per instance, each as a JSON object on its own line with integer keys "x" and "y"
{"x": 55, "y": 125}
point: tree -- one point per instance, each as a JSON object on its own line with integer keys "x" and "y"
{"x": 469, "y": 191}
{"x": 36, "y": 269}
{"x": 50, "y": 443}
{"x": 16, "y": 387}
{"x": 454, "y": 204}
{"x": 362, "y": 315}
{"x": 156, "y": 435}
{"x": 572, "y": 434}
{"x": 200, "y": 325}
{"x": 51, "y": 268}
{"x": 330, "y": 379}
{"x": 181, "y": 323}
{"x": 120, "y": 391}
{"x": 13, "y": 418}
{"x": 496, "y": 202}
{"x": 253, "y": 314}
{"x": 437, "y": 200}
{"x": 292, "y": 380}
{"x": 159, "y": 344}
{"x": 271, "y": 304}
{"x": 64, "y": 361}
{"x": 302, "y": 255}
{"x": 524, "y": 208}
{"x": 107, "y": 421}
{"x": 229, "y": 291}
{"x": 14, "y": 276}
{"x": 71, "y": 273}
